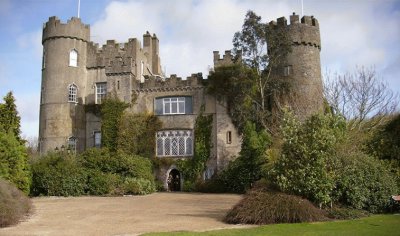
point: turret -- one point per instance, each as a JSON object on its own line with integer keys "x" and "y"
{"x": 63, "y": 85}
{"x": 299, "y": 73}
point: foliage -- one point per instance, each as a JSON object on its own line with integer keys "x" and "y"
{"x": 269, "y": 207}
{"x": 232, "y": 84}
{"x": 14, "y": 205}
{"x": 339, "y": 213}
{"x": 385, "y": 143}
{"x": 247, "y": 168}
{"x": 360, "y": 96}
{"x": 304, "y": 165}
{"x": 13, "y": 161}
{"x": 9, "y": 118}
{"x": 58, "y": 175}
{"x": 100, "y": 183}
{"x": 247, "y": 87}
{"x": 111, "y": 111}
{"x": 94, "y": 172}
{"x": 138, "y": 186}
{"x": 193, "y": 167}
{"x": 363, "y": 182}
{"x": 136, "y": 134}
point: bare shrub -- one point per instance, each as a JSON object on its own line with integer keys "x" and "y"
{"x": 14, "y": 205}
{"x": 271, "y": 207}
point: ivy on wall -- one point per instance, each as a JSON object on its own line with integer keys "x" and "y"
{"x": 193, "y": 168}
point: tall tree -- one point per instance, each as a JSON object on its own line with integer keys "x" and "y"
{"x": 360, "y": 96}
{"x": 9, "y": 118}
{"x": 254, "y": 79}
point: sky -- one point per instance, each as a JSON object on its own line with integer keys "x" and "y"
{"x": 353, "y": 33}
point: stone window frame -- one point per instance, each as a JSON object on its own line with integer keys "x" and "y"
{"x": 229, "y": 137}
{"x": 174, "y": 143}
{"x": 72, "y": 93}
{"x": 100, "y": 92}
{"x": 98, "y": 134}
{"x": 287, "y": 70}
{"x": 72, "y": 142}
{"x": 73, "y": 58}
{"x": 44, "y": 59}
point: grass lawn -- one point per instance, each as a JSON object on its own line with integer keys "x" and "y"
{"x": 373, "y": 225}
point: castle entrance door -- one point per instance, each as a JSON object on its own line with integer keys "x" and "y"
{"x": 174, "y": 180}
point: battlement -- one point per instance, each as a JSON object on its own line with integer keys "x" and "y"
{"x": 301, "y": 32}
{"x": 170, "y": 84}
{"x": 227, "y": 58}
{"x": 74, "y": 29}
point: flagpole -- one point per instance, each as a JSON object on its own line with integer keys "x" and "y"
{"x": 302, "y": 9}
{"x": 79, "y": 7}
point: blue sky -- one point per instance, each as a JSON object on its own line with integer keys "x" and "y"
{"x": 353, "y": 33}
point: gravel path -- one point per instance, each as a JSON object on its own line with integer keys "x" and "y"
{"x": 131, "y": 215}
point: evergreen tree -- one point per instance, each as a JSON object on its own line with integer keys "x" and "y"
{"x": 9, "y": 118}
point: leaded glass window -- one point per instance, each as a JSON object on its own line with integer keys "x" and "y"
{"x": 174, "y": 143}
{"x": 72, "y": 92}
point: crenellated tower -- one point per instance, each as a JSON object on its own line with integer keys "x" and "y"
{"x": 62, "y": 118}
{"x": 299, "y": 73}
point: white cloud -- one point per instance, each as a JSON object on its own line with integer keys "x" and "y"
{"x": 353, "y": 33}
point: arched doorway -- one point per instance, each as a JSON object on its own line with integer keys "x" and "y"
{"x": 174, "y": 180}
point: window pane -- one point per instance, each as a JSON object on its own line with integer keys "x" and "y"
{"x": 97, "y": 139}
{"x": 73, "y": 58}
{"x": 181, "y": 108}
{"x": 188, "y": 105}
{"x": 174, "y": 143}
{"x": 158, "y": 106}
{"x": 174, "y": 108}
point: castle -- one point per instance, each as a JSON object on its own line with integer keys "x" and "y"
{"x": 77, "y": 72}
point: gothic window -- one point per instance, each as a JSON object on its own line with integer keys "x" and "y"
{"x": 174, "y": 143}
{"x": 97, "y": 139}
{"x": 72, "y": 93}
{"x": 173, "y": 105}
{"x": 72, "y": 144}
{"x": 73, "y": 58}
{"x": 287, "y": 70}
{"x": 101, "y": 92}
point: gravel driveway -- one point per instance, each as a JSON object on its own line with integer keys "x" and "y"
{"x": 131, "y": 215}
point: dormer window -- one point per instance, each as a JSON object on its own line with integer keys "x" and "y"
{"x": 73, "y": 58}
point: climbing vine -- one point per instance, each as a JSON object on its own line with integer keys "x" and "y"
{"x": 192, "y": 168}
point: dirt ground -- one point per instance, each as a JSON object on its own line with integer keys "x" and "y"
{"x": 130, "y": 215}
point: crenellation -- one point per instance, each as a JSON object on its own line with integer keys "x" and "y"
{"x": 227, "y": 58}
{"x": 281, "y": 21}
{"x": 73, "y": 29}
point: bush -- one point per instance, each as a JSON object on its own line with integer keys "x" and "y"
{"x": 138, "y": 186}
{"x": 364, "y": 182}
{"x": 339, "y": 213}
{"x": 58, "y": 175}
{"x": 270, "y": 207}
{"x": 14, "y": 161}
{"x": 247, "y": 168}
{"x": 14, "y": 205}
{"x": 100, "y": 183}
{"x": 304, "y": 165}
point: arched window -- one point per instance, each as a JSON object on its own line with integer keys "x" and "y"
{"x": 72, "y": 92}
{"x": 72, "y": 144}
{"x": 73, "y": 58}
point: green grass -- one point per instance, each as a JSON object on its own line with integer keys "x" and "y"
{"x": 373, "y": 225}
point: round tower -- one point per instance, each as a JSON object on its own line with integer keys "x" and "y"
{"x": 299, "y": 73}
{"x": 62, "y": 117}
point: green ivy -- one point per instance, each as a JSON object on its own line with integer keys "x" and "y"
{"x": 112, "y": 111}
{"x": 192, "y": 168}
